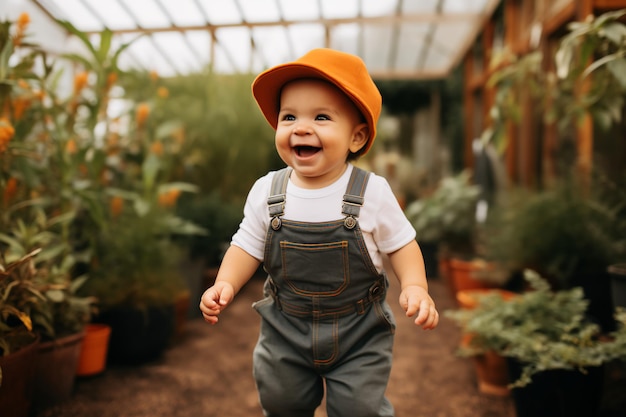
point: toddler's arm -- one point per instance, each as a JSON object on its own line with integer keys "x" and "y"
{"x": 408, "y": 265}
{"x": 235, "y": 271}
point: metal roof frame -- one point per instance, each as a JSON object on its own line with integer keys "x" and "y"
{"x": 415, "y": 36}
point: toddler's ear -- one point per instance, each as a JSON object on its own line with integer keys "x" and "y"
{"x": 359, "y": 137}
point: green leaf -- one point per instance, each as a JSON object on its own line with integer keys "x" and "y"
{"x": 80, "y": 35}
{"x": 617, "y": 67}
{"x": 56, "y": 296}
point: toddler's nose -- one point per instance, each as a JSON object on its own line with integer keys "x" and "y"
{"x": 302, "y": 129}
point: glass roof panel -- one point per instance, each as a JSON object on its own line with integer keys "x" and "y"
{"x": 76, "y": 12}
{"x": 378, "y": 8}
{"x": 420, "y": 6}
{"x": 144, "y": 51}
{"x": 299, "y": 10}
{"x": 464, "y": 6}
{"x": 411, "y": 44}
{"x": 377, "y": 42}
{"x": 221, "y": 12}
{"x": 304, "y": 37}
{"x": 346, "y": 38}
{"x": 422, "y": 39}
{"x": 180, "y": 55}
{"x": 259, "y": 10}
{"x": 200, "y": 41}
{"x": 235, "y": 42}
{"x": 334, "y": 9}
{"x": 272, "y": 44}
{"x": 113, "y": 15}
{"x": 146, "y": 13}
{"x": 184, "y": 12}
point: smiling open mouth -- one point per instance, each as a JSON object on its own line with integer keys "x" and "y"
{"x": 304, "y": 151}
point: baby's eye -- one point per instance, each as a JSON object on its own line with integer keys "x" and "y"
{"x": 322, "y": 117}
{"x": 289, "y": 117}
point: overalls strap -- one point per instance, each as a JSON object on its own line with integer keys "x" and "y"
{"x": 353, "y": 198}
{"x": 276, "y": 200}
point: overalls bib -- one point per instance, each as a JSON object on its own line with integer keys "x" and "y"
{"x": 325, "y": 317}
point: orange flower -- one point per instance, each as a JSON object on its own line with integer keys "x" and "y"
{"x": 163, "y": 92}
{"x": 23, "y": 84}
{"x": 9, "y": 191}
{"x": 23, "y": 20}
{"x": 157, "y": 148}
{"x": 169, "y": 198}
{"x": 80, "y": 81}
{"x": 22, "y": 24}
{"x": 70, "y": 147}
{"x": 6, "y": 133}
{"x": 143, "y": 110}
{"x": 154, "y": 75}
{"x": 111, "y": 79}
{"x": 20, "y": 105}
{"x": 116, "y": 206}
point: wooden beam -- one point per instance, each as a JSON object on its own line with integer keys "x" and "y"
{"x": 584, "y": 129}
{"x": 376, "y": 20}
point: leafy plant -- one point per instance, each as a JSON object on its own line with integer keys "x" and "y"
{"x": 448, "y": 215}
{"x": 22, "y": 305}
{"x": 218, "y": 217}
{"x": 67, "y": 313}
{"x": 541, "y": 328}
{"x": 589, "y": 79}
{"x": 560, "y": 232}
{"x": 134, "y": 263}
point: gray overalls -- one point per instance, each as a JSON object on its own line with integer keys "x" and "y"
{"x": 324, "y": 317}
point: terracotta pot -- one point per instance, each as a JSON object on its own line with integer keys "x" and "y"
{"x": 463, "y": 274}
{"x": 468, "y": 298}
{"x": 93, "y": 354}
{"x": 492, "y": 374}
{"x": 18, "y": 372}
{"x": 56, "y": 370}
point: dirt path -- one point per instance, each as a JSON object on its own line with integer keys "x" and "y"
{"x": 209, "y": 373}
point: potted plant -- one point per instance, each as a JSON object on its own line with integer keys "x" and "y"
{"x": 134, "y": 273}
{"x": 447, "y": 218}
{"x": 555, "y": 353}
{"x": 22, "y": 306}
{"x": 67, "y": 314}
{"x": 566, "y": 234}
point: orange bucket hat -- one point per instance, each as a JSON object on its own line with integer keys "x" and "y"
{"x": 346, "y": 71}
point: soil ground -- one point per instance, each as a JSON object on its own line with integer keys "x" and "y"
{"x": 208, "y": 372}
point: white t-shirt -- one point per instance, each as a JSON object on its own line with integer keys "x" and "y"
{"x": 384, "y": 226}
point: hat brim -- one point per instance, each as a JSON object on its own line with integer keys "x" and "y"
{"x": 267, "y": 86}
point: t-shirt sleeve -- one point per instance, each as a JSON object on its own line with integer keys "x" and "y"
{"x": 392, "y": 229}
{"x": 252, "y": 230}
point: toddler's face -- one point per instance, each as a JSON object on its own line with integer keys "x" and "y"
{"x": 318, "y": 126}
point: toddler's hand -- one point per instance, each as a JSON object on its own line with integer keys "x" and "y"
{"x": 415, "y": 300}
{"x": 215, "y": 299}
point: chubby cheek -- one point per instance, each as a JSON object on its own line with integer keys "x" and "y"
{"x": 282, "y": 144}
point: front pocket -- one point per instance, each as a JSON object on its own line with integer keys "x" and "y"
{"x": 320, "y": 269}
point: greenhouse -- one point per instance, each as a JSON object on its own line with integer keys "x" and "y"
{"x": 342, "y": 175}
